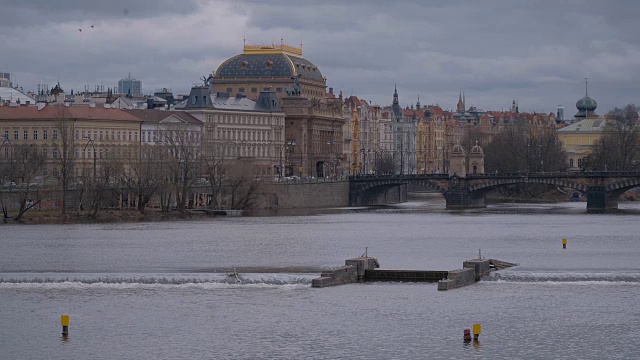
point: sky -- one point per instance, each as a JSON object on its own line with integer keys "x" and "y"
{"x": 538, "y": 52}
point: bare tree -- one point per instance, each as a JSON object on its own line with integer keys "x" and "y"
{"x": 143, "y": 175}
{"x": 108, "y": 174}
{"x": 243, "y": 188}
{"x": 384, "y": 163}
{"x": 63, "y": 153}
{"x": 520, "y": 148}
{"x": 28, "y": 164}
{"x": 618, "y": 149}
{"x": 183, "y": 162}
{"x": 215, "y": 169}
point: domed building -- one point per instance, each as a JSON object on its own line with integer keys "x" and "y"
{"x": 262, "y": 66}
{"x": 313, "y": 122}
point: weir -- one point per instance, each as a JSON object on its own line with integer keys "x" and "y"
{"x": 363, "y": 269}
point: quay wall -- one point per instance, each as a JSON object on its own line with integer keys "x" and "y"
{"x": 304, "y": 195}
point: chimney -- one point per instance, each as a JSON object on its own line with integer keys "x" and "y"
{"x": 331, "y": 90}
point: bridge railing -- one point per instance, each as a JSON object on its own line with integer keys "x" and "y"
{"x": 547, "y": 174}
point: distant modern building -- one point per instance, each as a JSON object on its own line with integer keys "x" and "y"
{"x": 5, "y": 79}
{"x": 130, "y": 86}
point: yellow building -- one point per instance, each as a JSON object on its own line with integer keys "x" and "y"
{"x": 579, "y": 138}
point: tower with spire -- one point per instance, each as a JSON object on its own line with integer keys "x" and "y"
{"x": 461, "y": 107}
{"x": 397, "y": 110}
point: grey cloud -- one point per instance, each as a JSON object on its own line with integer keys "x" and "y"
{"x": 536, "y": 51}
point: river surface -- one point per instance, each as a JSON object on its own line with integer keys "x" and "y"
{"x": 161, "y": 290}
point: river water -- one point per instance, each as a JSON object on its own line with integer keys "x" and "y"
{"x": 162, "y": 291}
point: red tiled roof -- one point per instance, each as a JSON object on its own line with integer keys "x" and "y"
{"x": 330, "y": 96}
{"x": 57, "y": 112}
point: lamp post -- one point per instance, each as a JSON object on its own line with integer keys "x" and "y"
{"x": 93, "y": 147}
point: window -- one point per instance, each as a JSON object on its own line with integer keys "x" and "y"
{"x": 6, "y": 134}
{"x": 570, "y": 163}
{"x": 15, "y": 135}
{"x": 241, "y": 90}
{"x": 26, "y": 134}
{"x": 84, "y": 135}
{"x": 35, "y": 134}
{"x": 77, "y": 153}
{"x": 144, "y": 134}
{"x": 118, "y": 135}
{"x": 55, "y": 134}
{"x": 100, "y": 135}
{"x": 129, "y": 135}
{"x": 45, "y": 134}
{"x": 254, "y": 90}
{"x": 580, "y": 163}
{"x": 278, "y": 89}
{"x": 113, "y": 136}
{"x": 229, "y": 90}
{"x": 77, "y": 134}
{"x": 54, "y": 153}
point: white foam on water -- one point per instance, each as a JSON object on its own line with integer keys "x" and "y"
{"x": 137, "y": 281}
{"x": 578, "y": 278}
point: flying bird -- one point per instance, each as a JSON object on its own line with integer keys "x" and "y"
{"x": 92, "y": 26}
{"x": 80, "y": 30}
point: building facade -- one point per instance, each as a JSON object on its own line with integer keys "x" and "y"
{"x": 313, "y": 123}
{"x": 239, "y": 129}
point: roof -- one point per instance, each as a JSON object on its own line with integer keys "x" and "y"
{"x": 590, "y": 125}
{"x": 156, "y": 116}
{"x": 268, "y": 65}
{"x": 55, "y": 112}
{"x": 12, "y": 95}
{"x": 200, "y": 98}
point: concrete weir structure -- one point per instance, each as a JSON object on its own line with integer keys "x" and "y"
{"x": 364, "y": 269}
{"x": 353, "y": 271}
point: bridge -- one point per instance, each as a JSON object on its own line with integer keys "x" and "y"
{"x": 602, "y": 188}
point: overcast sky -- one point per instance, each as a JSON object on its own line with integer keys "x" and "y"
{"x": 538, "y": 52}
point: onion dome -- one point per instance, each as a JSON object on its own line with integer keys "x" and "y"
{"x": 586, "y": 106}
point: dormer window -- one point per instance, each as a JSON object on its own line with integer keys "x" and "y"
{"x": 269, "y": 65}
{"x": 244, "y": 65}
{"x": 194, "y": 100}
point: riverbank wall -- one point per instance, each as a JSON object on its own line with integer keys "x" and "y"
{"x": 303, "y": 195}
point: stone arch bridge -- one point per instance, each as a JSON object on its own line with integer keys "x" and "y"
{"x": 602, "y": 188}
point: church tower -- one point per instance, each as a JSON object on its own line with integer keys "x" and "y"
{"x": 397, "y": 111}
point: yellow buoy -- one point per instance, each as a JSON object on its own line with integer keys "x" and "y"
{"x": 64, "y": 321}
{"x": 477, "y": 329}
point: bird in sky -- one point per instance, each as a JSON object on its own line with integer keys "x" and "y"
{"x": 92, "y": 26}
{"x": 80, "y": 30}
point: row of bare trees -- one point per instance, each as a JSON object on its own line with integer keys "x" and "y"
{"x": 169, "y": 170}
{"x": 519, "y": 148}
{"x": 618, "y": 149}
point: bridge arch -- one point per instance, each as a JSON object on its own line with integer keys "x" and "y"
{"x": 495, "y": 183}
{"x": 623, "y": 185}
